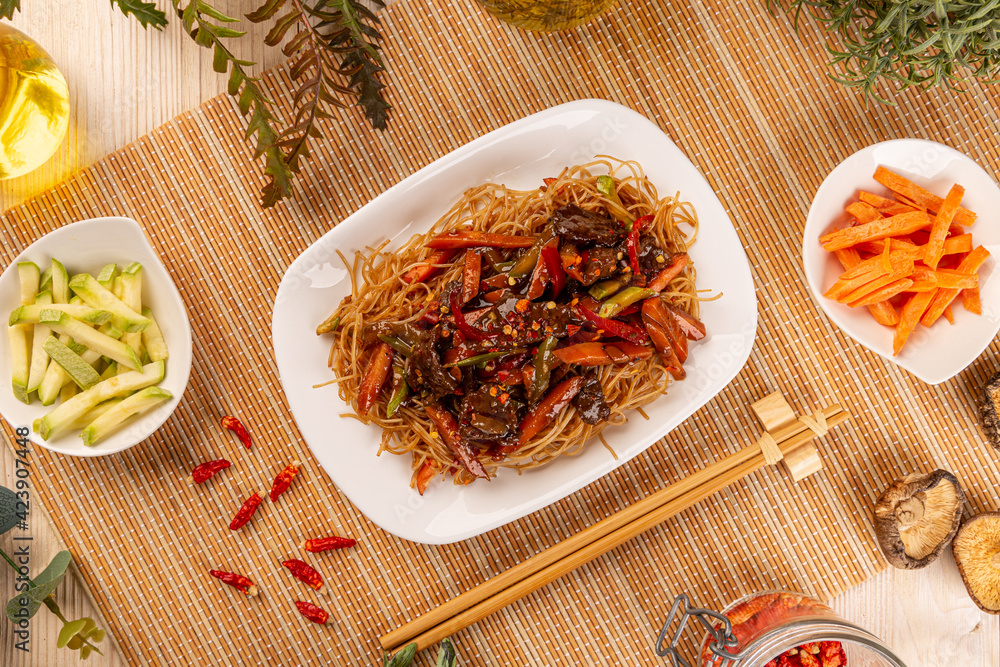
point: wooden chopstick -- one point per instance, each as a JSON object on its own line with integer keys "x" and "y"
{"x": 588, "y": 544}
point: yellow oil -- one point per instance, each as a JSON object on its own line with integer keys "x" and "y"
{"x": 34, "y": 104}
{"x": 546, "y": 15}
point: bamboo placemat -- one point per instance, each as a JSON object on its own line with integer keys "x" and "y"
{"x": 748, "y": 100}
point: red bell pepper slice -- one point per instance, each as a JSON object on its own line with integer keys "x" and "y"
{"x": 542, "y": 414}
{"x": 419, "y": 274}
{"x": 470, "y": 276}
{"x": 448, "y": 428}
{"x": 470, "y": 332}
{"x": 550, "y": 255}
{"x": 654, "y": 310}
{"x": 666, "y": 350}
{"x": 425, "y": 475}
{"x": 614, "y": 327}
{"x": 375, "y": 376}
{"x": 632, "y": 242}
{"x": 663, "y": 278}
{"x": 471, "y": 239}
{"x": 692, "y": 327}
{"x": 596, "y": 354}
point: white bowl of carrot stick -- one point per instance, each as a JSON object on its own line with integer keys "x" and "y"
{"x": 899, "y": 250}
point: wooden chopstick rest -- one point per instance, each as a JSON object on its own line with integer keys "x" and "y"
{"x": 775, "y": 413}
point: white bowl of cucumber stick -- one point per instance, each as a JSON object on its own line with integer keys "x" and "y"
{"x": 97, "y": 351}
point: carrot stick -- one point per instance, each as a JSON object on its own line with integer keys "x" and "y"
{"x": 910, "y": 190}
{"x": 878, "y": 201}
{"x": 897, "y": 260}
{"x": 872, "y": 286}
{"x": 909, "y": 318}
{"x": 971, "y": 301}
{"x": 941, "y": 226}
{"x": 886, "y": 261}
{"x": 876, "y": 231}
{"x": 883, "y": 312}
{"x": 956, "y": 244}
{"x": 863, "y": 213}
{"x": 884, "y": 294}
{"x": 944, "y": 297}
{"x": 948, "y": 315}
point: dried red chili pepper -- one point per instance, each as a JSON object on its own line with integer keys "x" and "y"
{"x": 312, "y": 612}
{"x": 205, "y": 471}
{"x": 283, "y": 480}
{"x": 245, "y": 512}
{"x": 233, "y": 424}
{"x": 304, "y": 573}
{"x": 237, "y": 581}
{"x": 318, "y": 544}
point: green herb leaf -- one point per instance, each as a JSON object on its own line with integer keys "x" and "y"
{"x": 8, "y": 7}
{"x": 70, "y": 630}
{"x": 145, "y": 12}
{"x": 403, "y": 657}
{"x": 12, "y": 509}
{"x": 447, "y": 656}
{"x": 26, "y": 603}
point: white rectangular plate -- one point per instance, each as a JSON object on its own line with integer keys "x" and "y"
{"x": 518, "y": 155}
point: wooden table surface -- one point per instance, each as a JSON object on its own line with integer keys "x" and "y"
{"x": 124, "y": 82}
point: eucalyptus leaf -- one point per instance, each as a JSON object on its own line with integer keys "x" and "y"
{"x": 447, "y": 656}
{"x": 403, "y": 657}
{"x": 69, "y": 631}
{"x": 11, "y": 509}
{"x": 25, "y": 604}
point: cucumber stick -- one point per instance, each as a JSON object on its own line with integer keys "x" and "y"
{"x": 119, "y": 414}
{"x": 94, "y": 340}
{"x": 152, "y": 338}
{"x": 20, "y": 355}
{"x": 30, "y": 280}
{"x": 98, "y": 296}
{"x": 107, "y": 275}
{"x": 132, "y": 297}
{"x": 20, "y": 334}
{"x": 67, "y": 413}
{"x": 31, "y": 314}
{"x": 75, "y": 366}
{"x": 60, "y": 282}
{"x": 94, "y": 413}
{"x": 39, "y": 360}
{"x": 56, "y": 378}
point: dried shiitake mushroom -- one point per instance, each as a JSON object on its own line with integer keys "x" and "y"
{"x": 916, "y": 517}
{"x": 989, "y": 411}
{"x": 977, "y": 553}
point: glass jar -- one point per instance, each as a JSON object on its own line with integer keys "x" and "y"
{"x": 546, "y": 15}
{"x": 771, "y": 629}
{"x": 34, "y": 104}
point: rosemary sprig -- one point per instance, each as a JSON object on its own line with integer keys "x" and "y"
{"x": 908, "y": 43}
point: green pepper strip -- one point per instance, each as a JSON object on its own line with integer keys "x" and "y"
{"x": 397, "y": 344}
{"x": 605, "y": 288}
{"x": 623, "y": 300}
{"x": 527, "y": 263}
{"x": 397, "y": 398}
{"x": 331, "y": 324}
{"x": 480, "y": 358}
{"x": 543, "y": 366}
{"x": 606, "y": 186}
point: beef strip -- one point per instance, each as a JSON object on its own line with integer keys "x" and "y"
{"x": 589, "y": 401}
{"x": 582, "y": 227}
